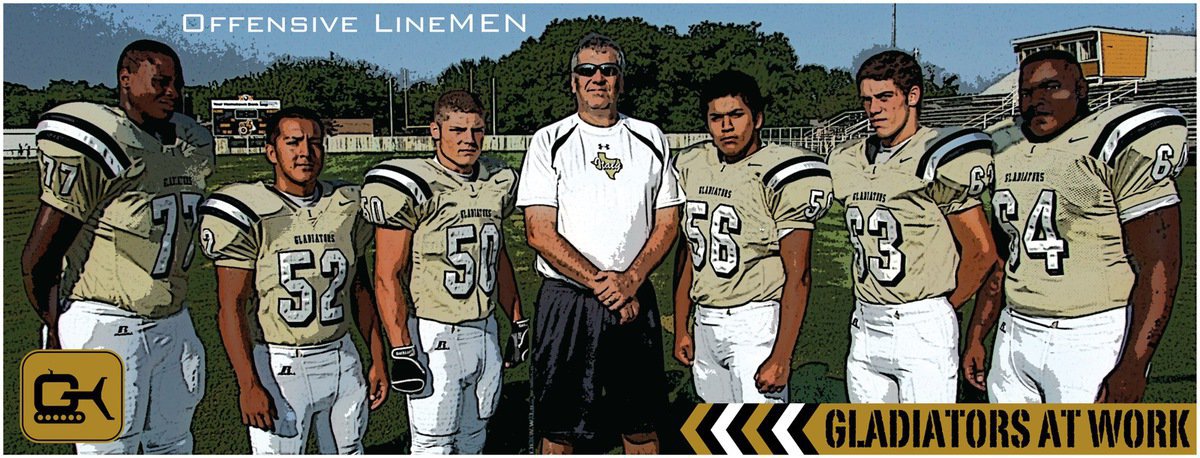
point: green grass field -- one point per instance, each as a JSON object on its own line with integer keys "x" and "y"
{"x": 818, "y": 366}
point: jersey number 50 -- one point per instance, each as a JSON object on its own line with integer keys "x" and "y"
{"x": 461, "y": 281}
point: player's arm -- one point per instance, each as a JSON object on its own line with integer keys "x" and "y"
{"x": 959, "y": 179}
{"x": 1142, "y": 180}
{"x": 235, "y": 288}
{"x": 41, "y": 264}
{"x": 541, "y": 230}
{"x": 1153, "y": 244}
{"x": 988, "y": 303}
{"x": 71, "y": 188}
{"x": 367, "y": 318}
{"x": 977, "y": 252}
{"x": 794, "y": 248}
{"x": 685, "y": 346}
{"x": 518, "y": 346}
{"x": 392, "y": 255}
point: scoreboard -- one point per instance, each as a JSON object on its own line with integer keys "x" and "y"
{"x": 244, "y": 117}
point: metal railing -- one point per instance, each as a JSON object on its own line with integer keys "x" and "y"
{"x": 1007, "y": 108}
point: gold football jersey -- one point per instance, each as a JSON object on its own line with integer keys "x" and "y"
{"x": 304, "y": 258}
{"x": 736, "y": 214}
{"x": 1062, "y": 202}
{"x": 896, "y": 210}
{"x": 137, "y": 195}
{"x": 457, "y": 230}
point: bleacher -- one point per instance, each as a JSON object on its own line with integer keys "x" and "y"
{"x": 984, "y": 110}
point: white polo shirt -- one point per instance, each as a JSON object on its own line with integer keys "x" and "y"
{"x": 606, "y": 183}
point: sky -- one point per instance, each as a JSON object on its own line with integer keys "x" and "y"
{"x": 81, "y": 42}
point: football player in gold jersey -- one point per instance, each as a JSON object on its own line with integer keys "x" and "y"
{"x": 921, "y": 240}
{"x": 290, "y": 259}
{"x": 112, "y": 243}
{"x": 749, "y": 218}
{"x": 440, "y": 242}
{"x": 1089, "y": 205}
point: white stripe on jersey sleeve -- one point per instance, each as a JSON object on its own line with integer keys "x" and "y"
{"x": 403, "y": 180}
{"x": 936, "y": 158}
{"x": 1147, "y": 207}
{"x": 110, "y": 160}
{"x": 229, "y": 210}
{"x": 1110, "y": 144}
{"x": 794, "y": 169}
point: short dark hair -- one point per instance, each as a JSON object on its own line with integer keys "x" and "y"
{"x": 898, "y": 66}
{"x": 732, "y": 83}
{"x": 137, "y": 52}
{"x": 291, "y": 113}
{"x": 595, "y": 40}
{"x": 459, "y": 101}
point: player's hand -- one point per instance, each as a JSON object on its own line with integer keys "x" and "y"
{"x": 974, "y": 365}
{"x": 772, "y": 375}
{"x": 408, "y": 374}
{"x": 517, "y": 349}
{"x": 1123, "y": 385}
{"x": 258, "y": 408}
{"x": 627, "y": 311}
{"x": 685, "y": 348}
{"x": 614, "y": 288}
{"x": 377, "y": 385}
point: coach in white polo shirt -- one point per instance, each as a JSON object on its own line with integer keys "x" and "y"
{"x": 601, "y": 210}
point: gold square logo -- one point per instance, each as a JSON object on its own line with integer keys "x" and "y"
{"x": 72, "y": 395}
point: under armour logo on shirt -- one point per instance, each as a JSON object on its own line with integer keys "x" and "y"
{"x": 123, "y": 331}
{"x": 604, "y": 146}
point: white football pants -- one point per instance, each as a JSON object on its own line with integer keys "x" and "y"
{"x": 1055, "y": 360}
{"x": 463, "y": 389}
{"x": 164, "y": 373}
{"x": 731, "y": 344}
{"x": 317, "y": 387}
{"x": 903, "y": 353}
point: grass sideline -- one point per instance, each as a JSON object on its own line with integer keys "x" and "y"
{"x": 817, "y": 368}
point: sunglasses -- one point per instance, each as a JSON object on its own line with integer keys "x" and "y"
{"x": 587, "y": 70}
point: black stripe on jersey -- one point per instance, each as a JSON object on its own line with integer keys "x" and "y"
{"x": 206, "y": 210}
{"x": 94, "y": 131}
{"x": 421, "y": 183}
{"x": 559, "y": 142}
{"x": 774, "y": 170}
{"x": 969, "y": 146}
{"x": 648, "y": 143}
{"x": 78, "y": 146}
{"x": 964, "y": 149}
{"x": 1137, "y": 132}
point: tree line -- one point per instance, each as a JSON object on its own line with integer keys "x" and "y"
{"x": 664, "y": 68}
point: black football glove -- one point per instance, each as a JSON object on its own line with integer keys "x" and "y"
{"x": 408, "y": 375}
{"x": 518, "y": 344}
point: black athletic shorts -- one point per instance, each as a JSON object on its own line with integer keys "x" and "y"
{"x": 590, "y": 374}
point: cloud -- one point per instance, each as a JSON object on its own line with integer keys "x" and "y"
{"x": 82, "y": 42}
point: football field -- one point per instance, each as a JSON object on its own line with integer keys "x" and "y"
{"x": 817, "y": 371}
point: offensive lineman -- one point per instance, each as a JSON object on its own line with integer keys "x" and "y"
{"x": 112, "y": 243}
{"x": 284, "y": 253}
{"x": 440, "y": 241}
{"x": 1088, "y": 201}
{"x": 913, "y": 211}
{"x": 748, "y": 220}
